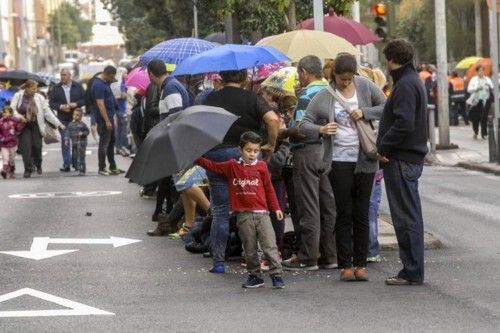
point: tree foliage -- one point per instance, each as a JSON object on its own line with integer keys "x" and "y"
{"x": 147, "y": 22}
{"x": 72, "y": 27}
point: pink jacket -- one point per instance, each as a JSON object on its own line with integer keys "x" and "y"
{"x": 9, "y": 128}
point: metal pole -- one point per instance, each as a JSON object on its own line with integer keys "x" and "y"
{"x": 195, "y": 14}
{"x": 478, "y": 28}
{"x": 442, "y": 70}
{"x": 2, "y": 42}
{"x": 431, "y": 108}
{"x": 59, "y": 55}
{"x": 356, "y": 17}
{"x": 494, "y": 61}
{"x": 318, "y": 15}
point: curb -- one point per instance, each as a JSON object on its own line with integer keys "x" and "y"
{"x": 493, "y": 169}
{"x": 388, "y": 241}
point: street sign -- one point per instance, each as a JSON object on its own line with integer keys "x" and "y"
{"x": 49, "y": 195}
{"x": 75, "y": 308}
{"x": 39, "y": 251}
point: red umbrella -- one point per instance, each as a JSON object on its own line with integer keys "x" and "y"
{"x": 353, "y": 31}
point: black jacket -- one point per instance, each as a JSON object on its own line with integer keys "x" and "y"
{"x": 57, "y": 98}
{"x": 403, "y": 127}
{"x": 152, "y": 109}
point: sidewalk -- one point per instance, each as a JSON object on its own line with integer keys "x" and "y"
{"x": 471, "y": 154}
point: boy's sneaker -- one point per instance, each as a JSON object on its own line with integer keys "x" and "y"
{"x": 115, "y": 171}
{"x": 253, "y": 282}
{"x": 4, "y": 174}
{"x": 294, "y": 264}
{"x": 218, "y": 269}
{"x": 104, "y": 172}
{"x": 278, "y": 282}
{"x": 374, "y": 259}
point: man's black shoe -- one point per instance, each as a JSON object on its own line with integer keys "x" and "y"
{"x": 195, "y": 247}
{"x": 65, "y": 169}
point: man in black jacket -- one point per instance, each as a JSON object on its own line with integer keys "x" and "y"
{"x": 402, "y": 145}
{"x": 64, "y": 98}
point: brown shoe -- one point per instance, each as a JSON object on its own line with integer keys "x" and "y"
{"x": 163, "y": 229}
{"x": 360, "y": 274}
{"x": 39, "y": 171}
{"x": 346, "y": 274}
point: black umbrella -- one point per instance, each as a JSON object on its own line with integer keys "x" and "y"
{"x": 176, "y": 142}
{"x": 18, "y": 77}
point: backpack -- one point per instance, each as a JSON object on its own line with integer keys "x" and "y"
{"x": 89, "y": 98}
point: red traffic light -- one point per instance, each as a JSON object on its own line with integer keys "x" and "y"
{"x": 379, "y": 9}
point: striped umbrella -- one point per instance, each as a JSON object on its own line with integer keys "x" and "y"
{"x": 48, "y": 77}
{"x": 174, "y": 51}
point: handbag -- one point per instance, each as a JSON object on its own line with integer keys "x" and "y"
{"x": 366, "y": 134}
{"x": 51, "y": 134}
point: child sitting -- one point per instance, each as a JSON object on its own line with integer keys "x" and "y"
{"x": 251, "y": 196}
{"x": 78, "y": 131}
{"x": 10, "y": 127}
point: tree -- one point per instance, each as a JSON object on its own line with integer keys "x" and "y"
{"x": 147, "y": 22}
{"x": 421, "y": 32}
{"x": 72, "y": 27}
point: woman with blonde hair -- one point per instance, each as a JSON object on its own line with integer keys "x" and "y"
{"x": 33, "y": 110}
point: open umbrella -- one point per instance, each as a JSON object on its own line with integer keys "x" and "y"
{"x": 283, "y": 81}
{"x": 488, "y": 69}
{"x": 18, "y": 77}
{"x": 176, "y": 142}
{"x": 300, "y": 43}
{"x": 138, "y": 78}
{"x": 354, "y": 32}
{"x": 465, "y": 63}
{"x": 48, "y": 77}
{"x": 229, "y": 57}
{"x": 174, "y": 51}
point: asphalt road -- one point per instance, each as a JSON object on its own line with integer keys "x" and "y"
{"x": 156, "y": 286}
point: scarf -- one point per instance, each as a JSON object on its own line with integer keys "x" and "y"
{"x": 31, "y": 110}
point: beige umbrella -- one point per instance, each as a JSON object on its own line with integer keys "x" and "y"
{"x": 300, "y": 43}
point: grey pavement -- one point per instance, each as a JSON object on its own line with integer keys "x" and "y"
{"x": 156, "y": 286}
{"x": 471, "y": 153}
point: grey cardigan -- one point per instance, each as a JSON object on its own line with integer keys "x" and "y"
{"x": 371, "y": 101}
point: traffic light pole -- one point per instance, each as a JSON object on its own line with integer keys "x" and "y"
{"x": 494, "y": 61}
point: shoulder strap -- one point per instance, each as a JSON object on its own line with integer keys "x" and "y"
{"x": 337, "y": 97}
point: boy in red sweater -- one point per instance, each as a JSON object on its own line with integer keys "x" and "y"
{"x": 252, "y": 196}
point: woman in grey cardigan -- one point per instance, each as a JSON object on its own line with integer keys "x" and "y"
{"x": 351, "y": 170}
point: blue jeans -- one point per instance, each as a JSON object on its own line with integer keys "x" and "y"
{"x": 65, "y": 145}
{"x": 373, "y": 245}
{"x": 219, "y": 203}
{"x": 401, "y": 183}
{"x": 121, "y": 131}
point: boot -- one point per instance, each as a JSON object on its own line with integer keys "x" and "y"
{"x": 163, "y": 229}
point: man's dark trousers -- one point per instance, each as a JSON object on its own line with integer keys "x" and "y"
{"x": 106, "y": 146}
{"x": 401, "y": 183}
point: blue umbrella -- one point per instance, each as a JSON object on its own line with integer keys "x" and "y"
{"x": 229, "y": 57}
{"x": 174, "y": 51}
{"x": 7, "y": 94}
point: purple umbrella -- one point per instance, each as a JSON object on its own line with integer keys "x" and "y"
{"x": 353, "y": 31}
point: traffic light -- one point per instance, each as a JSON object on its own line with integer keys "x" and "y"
{"x": 380, "y": 20}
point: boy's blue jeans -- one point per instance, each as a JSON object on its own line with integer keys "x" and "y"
{"x": 219, "y": 202}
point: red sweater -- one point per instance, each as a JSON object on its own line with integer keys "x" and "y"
{"x": 250, "y": 187}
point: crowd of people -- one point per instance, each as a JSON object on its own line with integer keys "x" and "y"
{"x": 298, "y": 153}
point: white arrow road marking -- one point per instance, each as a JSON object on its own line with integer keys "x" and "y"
{"x": 75, "y": 308}
{"x": 39, "y": 246}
